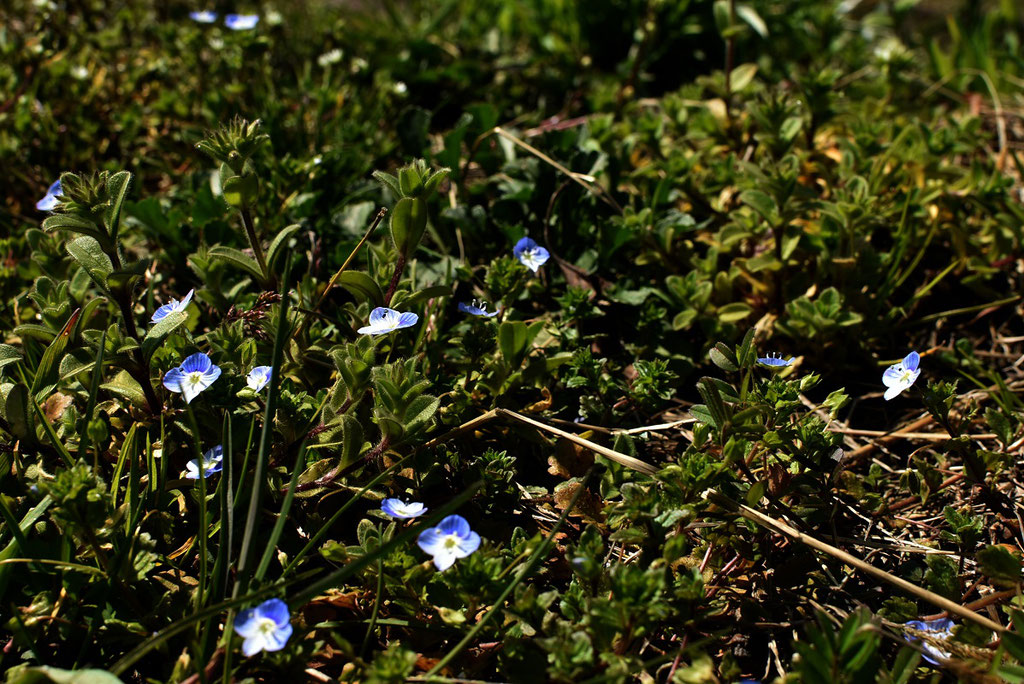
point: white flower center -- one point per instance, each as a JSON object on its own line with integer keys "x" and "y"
{"x": 266, "y": 626}
{"x": 195, "y": 377}
{"x": 451, "y": 542}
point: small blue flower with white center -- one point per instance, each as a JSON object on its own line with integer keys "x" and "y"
{"x": 450, "y": 540}
{"x": 258, "y": 378}
{"x": 241, "y": 22}
{"x": 900, "y": 376}
{"x": 477, "y": 308}
{"x": 194, "y": 375}
{"x": 50, "y": 201}
{"x": 397, "y": 508}
{"x": 172, "y": 306}
{"x": 775, "y": 360}
{"x": 940, "y": 629}
{"x": 530, "y": 254}
{"x": 266, "y": 627}
{"x": 213, "y": 462}
{"x": 204, "y": 17}
{"x": 384, "y": 320}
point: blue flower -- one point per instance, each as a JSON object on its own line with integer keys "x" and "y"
{"x": 476, "y": 309}
{"x": 241, "y": 22}
{"x": 384, "y": 320}
{"x": 448, "y": 541}
{"x": 195, "y": 374}
{"x": 264, "y": 628}
{"x": 213, "y": 462}
{"x": 900, "y": 376}
{"x": 530, "y": 254}
{"x": 397, "y": 508}
{"x": 204, "y": 17}
{"x": 940, "y": 629}
{"x": 775, "y": 360}
{"x": 170, "y": 307}
{"x": 258, "y": 378}
{"x": 50, "y": 201}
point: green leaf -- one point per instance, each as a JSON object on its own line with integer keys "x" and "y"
{"x": 750, "y": 15}
{"x": 54, "y": 675}
{"x": 18, "y": 412}
{"x": 280, "y": 243}
{"x": 388, "y": 180}
{"x": 126, "y": 277}
{"x": 724, "y": 358}
{"x": 731, "y": 313}
{"x": 746, "y": 354}
{"x": 420, "y": 411}
{"x": 712, "y": 397}
{"x": 999, "y": 565}
{"x": 47, "y": 373}
{"x": 742, "y": 76}
{"x": 90, "y": 256}
{"x": 408, "y": 221}
{"x": 9, "y": 355}
{"x": 117, "y": 188}
{"x": 126, "y": 387}
{"x": 241, "y": 191}
{"x": 428, "y": 293}
{"x": 702, "y": 414}
{"x": 159, "y": 332}
{"x": 76, "y": 361}
{"x": 512, "y": 342}
{"x": 74, "y": 223}
{"x": 761, "y": 203}
{"x": 238, "y": 259}
{"x": 362, "y": 286}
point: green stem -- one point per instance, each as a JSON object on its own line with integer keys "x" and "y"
{"x": 254, "y": 242}
{"x": 202, "y": 531}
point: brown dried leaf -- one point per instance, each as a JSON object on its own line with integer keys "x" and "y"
{"x": 542, "y": 405}
{"x": 569, "y": 459}
{"x": 587, "y": 506}
{"x": 55, "y": 405}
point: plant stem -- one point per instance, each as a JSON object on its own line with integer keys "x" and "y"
{"x": 141, "y": 372}
{"x": 338, "y": 471}
{"x": 399, "y": 267}
{"x": 257, "y": 249}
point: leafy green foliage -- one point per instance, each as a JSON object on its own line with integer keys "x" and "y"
{"x": 833, "y": 182}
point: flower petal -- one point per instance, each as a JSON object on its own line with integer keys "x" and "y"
{"x": 911, "y": 361}
{"x": 210, "y": 376}
{"x": 246, "y": 622}
{"x": 524, "y": 245}
{"x": 893, "y": 391}
{"x": 198, "y": 362}
{"x": 161, "y": 313}
{"x": 469, "y": 544}
{"x": 241, "y": 22}
{"x": 276, "y": 610}
{"x": 455, "y": 524}
{"x": 253, "y": 645}
{"x": 444, "y": 559}
{"x": 892, "y": 375}
{"x": 173, "y": 378}
{"x": 181, "y": 306}
{"x": 431, "y": 540}
{"x": 407, "y": 319}
{"x": 276, "y": 640}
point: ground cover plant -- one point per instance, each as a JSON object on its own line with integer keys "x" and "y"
{"x": 490, "y": 341}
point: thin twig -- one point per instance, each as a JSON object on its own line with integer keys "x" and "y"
{"x": 780, "y": 527}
